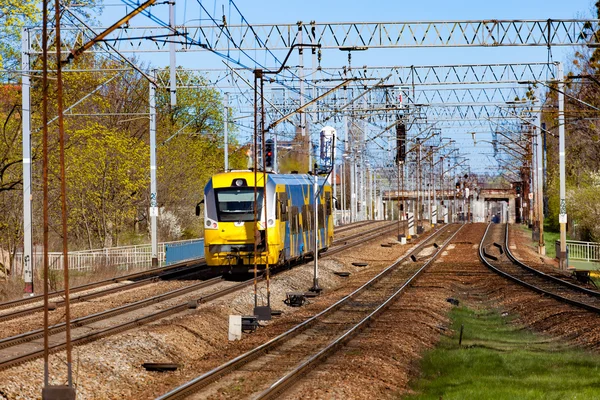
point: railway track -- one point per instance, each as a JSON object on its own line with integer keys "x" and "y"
{"x": 147, "y": 277}
{"x": 151, "y": 273}
{"x": 20, "y": 348}
{"x": 178, "y": 270}
{"x": 268, "y": 370}
{"x": 495, "y": 253}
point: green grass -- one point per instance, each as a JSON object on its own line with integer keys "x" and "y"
{"x": 549, "y": 239}
{"x": 499, "y": 360}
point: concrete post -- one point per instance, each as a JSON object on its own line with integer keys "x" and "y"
{"x": 153, "y": 197}
{"x": 26, "y": 122}
{"x": 562, "y": 216}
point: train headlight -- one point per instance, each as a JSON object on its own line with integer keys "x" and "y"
{"x": 211, "y": 224}
{"x": 239, "y": 182}
{"x": 271, "y": 222}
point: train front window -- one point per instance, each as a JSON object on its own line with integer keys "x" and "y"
{"x": 237, "y": 204}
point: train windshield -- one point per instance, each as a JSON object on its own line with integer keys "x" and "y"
{"x": 237, "y": 204}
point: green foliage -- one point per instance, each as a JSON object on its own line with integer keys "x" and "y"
{"x": 584, "y": 206}
{"x": 106, "y": 173}
{"x": 582, "y": 144}
{"x": 190, "y": 152}
{"x": 11, "y": 170}
{"x": 500, "y": 360}
{"x": 14, "y": 15}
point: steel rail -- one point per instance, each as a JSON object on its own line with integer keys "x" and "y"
{"x": 122, "y": 327}
{"x": 214, "y": 374}
{"x": 554, "y": 279}
{"x": 530, "y": 286}
{"x": 7, "y": 342}
{"x": 362, "y": 233}
{"x": 352, "y": 225}
{"x": 104, "y": 282}
{"x": 78, "y": 299}
{"x": 289, "y": 379}
{"x": 93, "y": 285}
{"x": 88, "y": 319}
{"x": 89, "y": 296}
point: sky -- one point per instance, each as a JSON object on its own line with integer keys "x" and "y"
{"x": 277, "y": 11}
{"x": 273, "y": 11}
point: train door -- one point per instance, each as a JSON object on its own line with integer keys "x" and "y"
{"x": 282, "y": 216}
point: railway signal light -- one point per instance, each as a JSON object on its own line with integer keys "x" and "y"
{"x": 400, "y": 142}
{"x": 518, "y": 189}
{"x": 269, "y": 153}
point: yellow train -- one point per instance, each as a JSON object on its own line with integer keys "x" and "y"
{"x": 229, "y": 222}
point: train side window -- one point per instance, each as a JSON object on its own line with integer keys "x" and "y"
{"x": 305, "y": 221}
{"x": 308, "y": 218}
{"x": 322, "y": 210}
{"x": 282, "y": 207}
{"x": 294, "y": 220}
{"x": 328, "y": 203}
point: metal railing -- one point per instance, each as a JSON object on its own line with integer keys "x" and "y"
{"x": 124, "y": 257}
{"x": 583, "y": 251}
{"x": 586, "y": 251}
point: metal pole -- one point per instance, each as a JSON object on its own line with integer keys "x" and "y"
{"x": 442, "y": 186}
{"x": 301, "y": 77}
{"x": 398, "y": 197}
{"x": 343, "y": 189}
{"x": 257, "y": 75}
{"x": 429, "y": 186}
{"x": 353, "y": 188}
{"x": 419, "y": 182}
{"x": 226, "y": 130}
{"x": 368, "y": 193}
{"x": 540, "y": 188}
{"x": 153, "y": 194}
{"x": 372, "y": 195}
{"x": 63, "y": 191}
{"x": 172, "y": 55}
{"x": 562, "y": 217}
{"x": 434, "y": 215}
{"x": 26, "y": 112}
{"x": 45, "y": 180}
{"x": 315, "y": 287}
{"x": 265, "y": 200}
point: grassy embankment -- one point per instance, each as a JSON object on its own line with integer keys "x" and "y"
{"x": 500, "y": 360}
{"x": 549, "y": 239}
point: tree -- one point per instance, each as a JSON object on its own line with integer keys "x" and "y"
{"x": 582, "y": 141}
{"x": 190, "y": 151}
{"x": 107, "y": 172}
{"x": 14, "y": 15}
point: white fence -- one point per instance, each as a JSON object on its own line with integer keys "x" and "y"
{"x": 125, "y": 257}
{"x": 587, "y": 251}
